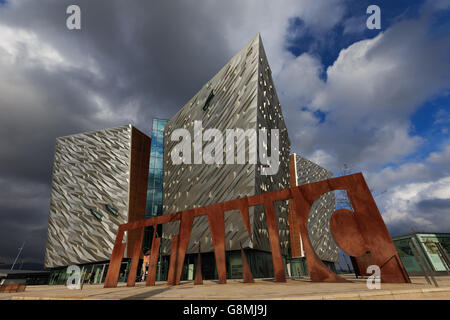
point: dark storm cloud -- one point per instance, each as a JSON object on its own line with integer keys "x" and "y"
{"x": 23, "y": 208}
{"x": 132, "y": 61}
{"x": 427, "y": 215}
{"x": 146, "y": 52}
{"x": 144, "y": 49}
{"x": 441, "y": 224}
{"x": 21, "y": 228}
{"x": 432, "y": 205}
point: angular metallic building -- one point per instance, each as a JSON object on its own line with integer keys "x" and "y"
{"x": 99, "y": 182}
{"x": 241, "y": 95}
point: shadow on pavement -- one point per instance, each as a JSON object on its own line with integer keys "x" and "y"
{"x": 145, "y": 295}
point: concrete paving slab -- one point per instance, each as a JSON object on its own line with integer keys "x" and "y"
{"x": 262, "y": 289}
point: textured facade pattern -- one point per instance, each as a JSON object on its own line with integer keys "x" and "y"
{"x": 243, "y": 97}
{"x": 321, "y": 210}
{"x": 90, "y": 194}
{"x": 269, "y": 115}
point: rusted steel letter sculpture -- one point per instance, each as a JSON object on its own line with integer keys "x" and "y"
{"x": 361, "y": 233}
{"x": 355, "y": 232}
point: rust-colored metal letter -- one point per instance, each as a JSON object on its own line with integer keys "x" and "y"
{"x": 137, "y": 250}
{"x": 216, "y": 219}
{"x": 154, "y": 255}
{"x": 171, "y": 277}
{"x": 112, "y": 276}
{"x": 271, "y": 219}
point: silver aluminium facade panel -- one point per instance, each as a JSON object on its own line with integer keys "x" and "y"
{"x": 244, "y": 98}
{"x": 89, "y": 196}
{"x": 269, "y": 116}
{"x": 321, "y": 210}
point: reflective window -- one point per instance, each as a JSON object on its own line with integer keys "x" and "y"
{"x": 155, "y": 173}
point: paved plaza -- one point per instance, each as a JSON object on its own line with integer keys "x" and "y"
{"x": 293, "y": 289}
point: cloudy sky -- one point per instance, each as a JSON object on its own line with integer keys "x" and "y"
{"x": 375, "y": 100}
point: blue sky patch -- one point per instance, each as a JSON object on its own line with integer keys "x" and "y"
{"x": 351, "y": 29}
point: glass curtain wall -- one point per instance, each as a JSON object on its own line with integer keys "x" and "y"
{"x": 155, "y": 185}
{"x": 428, "y": 245}
{"x": 155, "y": 173}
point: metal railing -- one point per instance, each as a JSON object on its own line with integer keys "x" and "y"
{"x": 444, "y": 256}
{"x": 421, "y": 261}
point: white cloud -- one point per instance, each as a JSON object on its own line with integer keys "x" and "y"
{"x": 389, "y": 176}
{"x": 418, "y": 206}
{"x": 321, "y": 15}
{"x": 370, "y": 93}
{"x": 299, "y": 80}
{"x": 241, "y": 20}
{"x": 24, "y": 47}
{"x": 355, "y": 24}
{"x": 435, "y": 166}
{"x": 322, "y": 158}
{"x": 389, "y": 75}
{"x": 389, "y": 143}
{"x": 441, "y": 158}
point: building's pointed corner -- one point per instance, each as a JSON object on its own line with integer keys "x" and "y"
{"x": 257, "y": 38}
{"x": 259, "y": 41}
